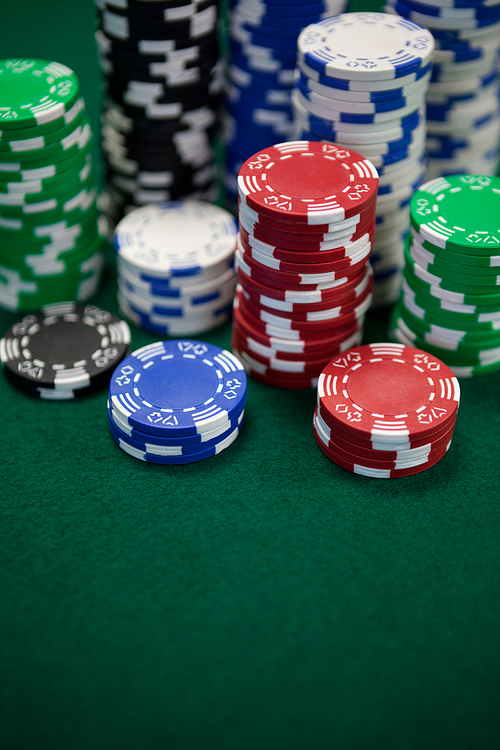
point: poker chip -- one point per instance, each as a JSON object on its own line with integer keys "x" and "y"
{"x": 450, "y": 302}
{"x": 50, "y": 240}
{"x": 462, "y": 98}
{"x": 177, "y": 401}
{"x": 175, "y": 266}
{"x": 307, "y": 215}
{"x": 64, "y": 351}
{"x": 262, "y": 55}
{"x": 162, "y": 77}
{"x": 361, "y": 83}
{"x": 386, "y": 410}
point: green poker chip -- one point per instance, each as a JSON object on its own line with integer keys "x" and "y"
{"x": 445, "y": 319}
{"x": 462, "y": 356}
{"x": 85, "y": 207}
{"x": 33, "y": 266}
{"x": 48, "y": 129}
{"x": 17, "y": 201}
{"x": 449, "y": 272}
{"x": 487, "y": 260}
{"x": 48, "y": 175}
{"x": 37, "y": 143}
{"x": 452, "y": 283}
{"x": 426, "y": 289}
{"x": 77, "y": 139}
{"x": 487, "y": 338}
{"x": 34, "y": 92}
{"x": 459, "y": 212}
{"x": 61, "y": 161}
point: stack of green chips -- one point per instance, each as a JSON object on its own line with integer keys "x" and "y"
{"x": 450, "y": 300}
{"x": 49, "y": 238}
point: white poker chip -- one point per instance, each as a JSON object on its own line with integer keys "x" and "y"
{"x": 360, "y": 46}
{"x": 178, "y": 238}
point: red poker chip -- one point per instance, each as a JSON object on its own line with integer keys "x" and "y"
{"x": 272, "y": 326}
{"x": 342, "y": 439}
{"x": 289, "y": 367}
{"x": 302, "y": 281}
{"x": 307, "y": 244}
{"x": 306, "y": 268}
{"x": 291, "y": 348}
{"x": 372, "y": 457}
{"x": 307, "y": 180}
{"x": 279, "y": 222}
{"x": 294, "y": 256}
{"x": 360, "y": 468}
{"x": 309, "y": 293}
{"x": 276, "y": 299}
{"x": 291, "y": 241}
{"x": 381, "y": 464}
{"x": 306, "y": 365}
{"x": 314, "y": 319}
{"x": 387, "y": 392}
{"x": 403, "y": 443}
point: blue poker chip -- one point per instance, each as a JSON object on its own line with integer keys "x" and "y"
{"x": 484, "y": 80}
{"x": 186, "y": 458}
{"x": 178, "y": 388}
{"x": 373, "y": 96}
{"x": 402, "y": 9}
{"x": 390, "y": 187}
{"x": 241, "y": 72}
{"x": 386, "y": 105}
{"x": 178, "y": 327}
{"x": 347, "y": 85}
{"x": 435, "y": 11}
{"x": 273, "y": 55}
{"x": 322, "y": 126}
{"x": 275, "y": 23}
{"x": 173, "y": 446}
{"x": 199, "y": 439}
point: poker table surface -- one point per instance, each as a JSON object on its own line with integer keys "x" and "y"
{"x": 263, "y": 599}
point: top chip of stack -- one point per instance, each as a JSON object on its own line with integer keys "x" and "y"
{"x": 49, "y": 249}
{"x": 163, "y": 82}
{"x": 451, "y": 304}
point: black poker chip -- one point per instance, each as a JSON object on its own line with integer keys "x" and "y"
{"x": 156, "y": 11}
{"x": 190, "y": 72}
{"x": 136, "y": 30}
{"x": 64, "y": 351}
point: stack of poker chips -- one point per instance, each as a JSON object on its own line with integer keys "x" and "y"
{"x": 176, "y": 402}
{"x": 64, "y": 351}
{"x": 49, "y": 239}
{"x": 463, "y": 119}
{"x": 175, "y": 266}
{"x": 386, "y": 410}
{"x": 263, "y": 52}
{"x": 450, "y": 304}
{"x": 163, "y": 82}
{"x": 361, "y": 83}
{"x": 307, "y": 215}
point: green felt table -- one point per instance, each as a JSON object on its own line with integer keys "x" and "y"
{"x": 265, "y": 599}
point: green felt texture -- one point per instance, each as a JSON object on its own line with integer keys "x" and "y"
{"x": 264, "y": 599}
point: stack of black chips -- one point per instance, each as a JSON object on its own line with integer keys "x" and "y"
{"x": 163, "y": 82}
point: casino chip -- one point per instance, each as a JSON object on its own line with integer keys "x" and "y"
{"x": 177, "y": 402}
{"x": 450, "y": 302}
{"x": 64, "y": 351}
{"x": 175, "y": 266}
{"x": 386, "y": 410}
{"x": 49, "y": 237}
{"x": 361, "y": 83}
{"x": 262, "y": 57}
{"x": 307, "y": 216}
{"x": 163, "y": 81}
{"x": 463, "y": 117}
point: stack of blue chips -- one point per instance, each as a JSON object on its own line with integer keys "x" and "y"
{"x": 263, "y": 53}
{"x": 177, "y": 402}
{"x": 463, "y": 120}
{"x": 361, "y": 83}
